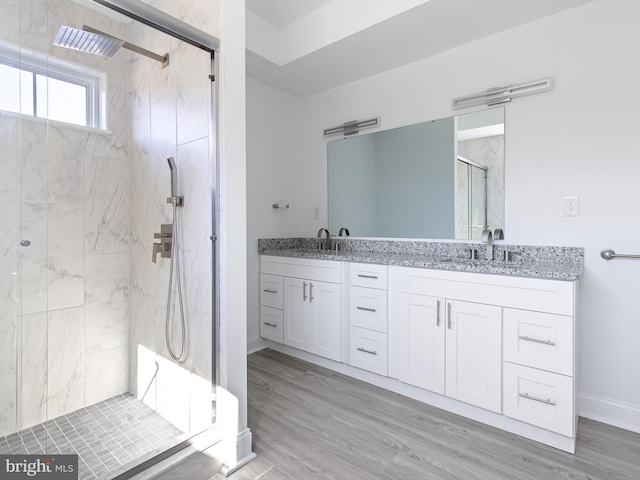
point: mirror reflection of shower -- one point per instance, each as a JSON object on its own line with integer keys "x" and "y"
{"x": 167, "y": 247}
{"x": 472, "y": 187}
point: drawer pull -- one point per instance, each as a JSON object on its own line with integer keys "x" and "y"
{"x": 311, "y": 293}
{"x": 449, "y": 321}
{"x": 364, "y": 275}
{"x": 304, "y": 291}
{"x": 270, "y": 324}
{"x": 364, "y": 350}
{"x": 269, "y": 291}
{"x": 546, "y": 401}
{"x": 438, "y": 313}
{"x": 537, "y": 340}
{"x": 366, "y": 309}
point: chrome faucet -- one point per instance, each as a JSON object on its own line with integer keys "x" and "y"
{"x": 487, "y": 237}
{"x": 344, "y": 230}
{"x": 327, "y": 239}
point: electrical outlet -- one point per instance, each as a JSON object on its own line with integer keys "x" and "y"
{"x": 316, "y": 213}
{"x": 571, "y": 206}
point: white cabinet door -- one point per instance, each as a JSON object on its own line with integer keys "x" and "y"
{"x": 474, "y": 354}
{"x": 296, "y": 316}
{"x": 421, "y": 332}
{"x": 312, "y": 317}
{"x": 325, "y": 326}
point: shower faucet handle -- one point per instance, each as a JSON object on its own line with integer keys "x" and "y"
{"x": 157, "y": 248}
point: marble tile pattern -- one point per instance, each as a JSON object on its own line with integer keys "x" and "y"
{"x": 559, "y": 263}
{"x": 169, "y": 108}
{"x": 80, "y": 301}
{"x": 66, "y": 190}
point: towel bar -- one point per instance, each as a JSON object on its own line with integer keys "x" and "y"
{"x": 610, "y": 254}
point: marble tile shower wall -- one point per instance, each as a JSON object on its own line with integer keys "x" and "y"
{"x": 170, "y": 118}
{"x": 64, "y": 323}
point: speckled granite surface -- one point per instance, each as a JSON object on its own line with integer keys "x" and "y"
{"x": 558, "y": 263}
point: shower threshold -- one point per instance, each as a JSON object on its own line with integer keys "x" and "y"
{"x": 107, "y": 436}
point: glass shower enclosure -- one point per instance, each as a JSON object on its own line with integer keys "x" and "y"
{"x": 102, "y": 268}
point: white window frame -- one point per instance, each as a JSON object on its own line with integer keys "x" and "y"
{"x": 52, "y": 67}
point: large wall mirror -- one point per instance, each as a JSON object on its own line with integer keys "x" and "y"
{"x": 440, "y": 179}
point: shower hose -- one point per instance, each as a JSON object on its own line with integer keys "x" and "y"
{"x": 180, "y": 356}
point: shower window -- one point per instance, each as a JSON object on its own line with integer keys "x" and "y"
{"x": 45, "y": 87}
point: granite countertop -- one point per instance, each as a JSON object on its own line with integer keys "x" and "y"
{"x": 555, "y": 263}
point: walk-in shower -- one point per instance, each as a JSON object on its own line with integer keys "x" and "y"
{"x": 104, "y": 353}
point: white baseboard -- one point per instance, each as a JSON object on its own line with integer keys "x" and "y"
{"x": 243, "y": 453}
{"x": 612, "y": 412}
{"x": 255, "y": 344}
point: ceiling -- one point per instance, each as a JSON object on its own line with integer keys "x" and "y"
{"x": 281, "y": 13}
{"x": 426, "y": 28}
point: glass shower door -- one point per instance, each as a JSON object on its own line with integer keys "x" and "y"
{"x": 84, "y": 366}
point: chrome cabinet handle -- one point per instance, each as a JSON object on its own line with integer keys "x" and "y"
{"x": 311, "y": 293}
{"x": 364, "y": 350}
{"x": 363, "y": 275}
{"x": 366, "y": 309}
{"x": 270, "y": 324}
{"x": 537, "y": 340}
{"x": 449, "y": 322}
{"x": 438, "y": 313}
{"x": 269, "y": 291}
{"x": 304, "y": 291}
{"x": 546, "y": 401}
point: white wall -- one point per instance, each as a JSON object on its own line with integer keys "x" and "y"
{"x": 276, "y": 144}
{"x": 579, "y": 139}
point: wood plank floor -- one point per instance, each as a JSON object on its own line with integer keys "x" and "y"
{"x": 311, "y": 423}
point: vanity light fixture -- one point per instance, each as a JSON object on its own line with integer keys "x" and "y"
{"x": 351, "y": 128}
{"x": 498, "y": 95}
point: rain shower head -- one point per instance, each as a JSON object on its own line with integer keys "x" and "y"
{"x": 94, "y": 41}
{"x": 87, "y": 41}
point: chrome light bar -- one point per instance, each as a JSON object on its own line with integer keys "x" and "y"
{"x": 351, "y": 128}
{"x": 498, "y": 95}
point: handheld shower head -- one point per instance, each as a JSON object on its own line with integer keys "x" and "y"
{"x": 174, "y": 176}
{"x": 174, "y": 198}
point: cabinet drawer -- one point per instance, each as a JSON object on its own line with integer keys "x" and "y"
{"x": 309, "y": 268}
{"x": 540, "y": 398}
{"x": 541, "y": 295}
{"x": 368, "y": 308}
{"x": 369, "y": 350}
{"x": 271, "y": 324}
{"x": 368, "y": 275}
{"x": 540, "y": 340}
{"x": 271, "y": 290}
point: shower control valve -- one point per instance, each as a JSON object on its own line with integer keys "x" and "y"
{"x": 164, "y": 246}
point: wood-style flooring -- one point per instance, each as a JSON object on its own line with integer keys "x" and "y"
{"x": 311, "y": 423}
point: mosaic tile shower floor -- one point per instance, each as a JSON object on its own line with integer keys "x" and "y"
{"x": 106, "y": 435}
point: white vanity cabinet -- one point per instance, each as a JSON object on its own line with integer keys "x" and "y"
{"x": 505, "y": 344}
{"x": 452, "y": 348}
{"x": 311, "y": 304}
{"x": 499, "y": 349}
